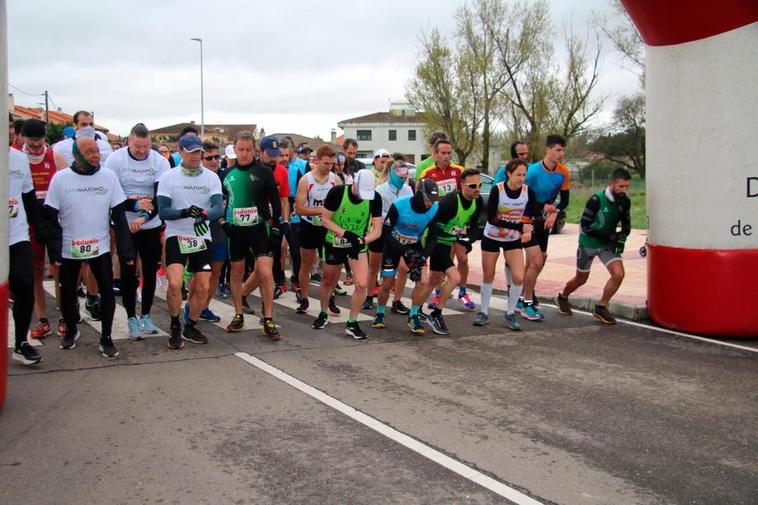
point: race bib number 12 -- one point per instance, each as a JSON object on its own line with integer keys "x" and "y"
{"x": 85, "y": 248}
{"x": 189, "y": 245}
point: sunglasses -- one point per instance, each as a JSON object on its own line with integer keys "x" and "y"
{"x": 214, "y": 157}
{"x": 473, "y": 185}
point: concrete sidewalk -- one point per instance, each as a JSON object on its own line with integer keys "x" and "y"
{"x": 629, "y": 302}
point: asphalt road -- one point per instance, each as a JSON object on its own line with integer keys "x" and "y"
{"x": 567, "y": 411}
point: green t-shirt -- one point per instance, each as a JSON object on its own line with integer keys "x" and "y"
{"x": 350, "y": 217}
{"x": 606, "y": 220}
{"x": 241, "y": 208}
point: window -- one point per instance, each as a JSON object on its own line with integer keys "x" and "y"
{"x": 363, "y": 134}
{"x": 393, "y": 135}
{"x": 411, "y": 135}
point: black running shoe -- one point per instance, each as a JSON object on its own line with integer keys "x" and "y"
{"x": 246, "y": 307}
{"x": 93, "y": 308}
{"x": 438, "y": 323}
{"x": 333, "y": 307}
{"x": 414, "y": 323}
{"x": 368, "y": 303}
{"x": 237, "y": 324}
{"x": 399, "y": 308}
{"x": 339, "y": 290}
{"x": 175, "y": 337}
{"x": 601, "y": 312}
{"x": 321, "y": 321}
{"x": 564, "y": 307}
{"x": 316, "y": 278}
{"x": 271, "y": 331}
{"x": 69, "y": 339}
{"x": 424, "y": 318}
{"x": 192, "y": 334}
{"x": 354, "y": 331}
{"x": 107, "y": 348}
{"x": 298, "y": 294}
{"x": 27, "y": 355}
{"x": 303, "y": 307}
{"x": 278, "y": 292}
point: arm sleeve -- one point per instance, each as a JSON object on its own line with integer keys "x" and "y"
{"x": 588, "y": 218}
{"x": 626, "y": 222}
{"x": 392, "y": 215}
{"x": 273, "y": 198}
{"x": 492, "y": 203}
{"x": 155, "y": 203}
{"x": 376, "y": 205}
{"x": 31, "y": 207}
{"x": 333, "y": 198}
{"x": 216, "y": 211}
{"x": 167, "y": 212}
{"x": 564, "y": 199}
{"x": 473, "y": 224}
{"x": 124, "y": 243}
{"x": 431, "y": 237}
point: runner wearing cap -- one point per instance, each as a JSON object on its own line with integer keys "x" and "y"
{"x": 382, "y": 162}
{"x": 81, "y": 202}
{"x": 188, "y": 197}
{"x": 22, "y": 211}
{"x": 312, "y": 191}
{"x": 251, "y": 221}
{"x": 408, "y": 218}
{"x": 304, "y": 151}
{"x": 456, "y": 222}
{"x": 511, "y": 209}
{"x": 395, "y": 187}
{"x": 43, "y": 163}
{"x": 353, "y": 218}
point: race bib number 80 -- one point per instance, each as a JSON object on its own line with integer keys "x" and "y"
{"x": 189, "y": 245}
{"x": 85, "y": 248}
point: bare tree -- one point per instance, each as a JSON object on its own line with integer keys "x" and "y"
{"x": 625, "y": 37}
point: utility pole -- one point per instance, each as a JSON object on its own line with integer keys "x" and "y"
{"x": 202, "y": 107}
{"x": 47, "y": 108}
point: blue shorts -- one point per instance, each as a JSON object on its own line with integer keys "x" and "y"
{"x": 219, "y": 252}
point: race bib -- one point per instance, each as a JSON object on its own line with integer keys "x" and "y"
{"x": 85, "y": 248}
{"x": 446, "y": 186}
{"x": 189, "y": 245}
{"x": 245, "y": 216}
{"x": 316, "y": 220}
{"x": 404, "y": 239}
{"x": 12, "y": 207}
{"x": 457, "y": 230}
{"x": 41, "y": 195}
{"x": 341, "y": 242}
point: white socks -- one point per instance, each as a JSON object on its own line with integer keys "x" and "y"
{"x": 513, "y": 295}
{"x": 486, "y": 292}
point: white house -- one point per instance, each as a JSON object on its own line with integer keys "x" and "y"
{"x": 399, "y": 130}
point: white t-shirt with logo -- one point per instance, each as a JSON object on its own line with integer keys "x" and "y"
{"x": 186, "y": 191}
{"x": 138, "y": 178}
{"x": 66, "y": 148}
{"x": 19, "y": 182}
{"x": 84, "y": 204}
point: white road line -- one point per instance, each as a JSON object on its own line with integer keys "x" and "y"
{"x": 411, "y": 443}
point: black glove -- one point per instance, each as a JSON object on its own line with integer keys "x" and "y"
{"x": 623, "y": 202}
{"x": 284, "y": 228}
{"x": 465, "y": 242}
{"x": 193, "y": 211}
{"x": 355, "y": 240}
{"x": 201, "y": 226}
{"x": 620, "y": 243}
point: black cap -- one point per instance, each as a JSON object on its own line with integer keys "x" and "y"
{"x": 428, "y": 189}
{"x": 34, "y": 128}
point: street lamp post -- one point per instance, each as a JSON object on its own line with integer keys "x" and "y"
{"x": 202, "y": 108}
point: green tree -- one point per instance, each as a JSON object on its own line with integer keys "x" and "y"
{"x": 625, "y": 144}
{"x": 55, "y": 132}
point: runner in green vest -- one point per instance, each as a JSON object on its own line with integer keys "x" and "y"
{"x": 599, "y": 236}
{"x": 457, "y": 223}
{"x": 353, "y": 218}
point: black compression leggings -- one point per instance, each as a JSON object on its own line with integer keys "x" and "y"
{"x": 147, "y": 243}
{"x": 293, "y": 242}
{"x": 102, "y": 268}
{"x": 21, "y": 284}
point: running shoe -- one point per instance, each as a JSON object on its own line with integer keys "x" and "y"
{"x": 531, "y": 313}
{"x": 27, "y": 355}
{"x": 298, "y": 293}
{"x": 438, "y": 323}
{"x": 278, "y": 291}
{"x": 414, "y": 323}
{"x": 184, "y": 298}
{"x": 42, "y": 330}
{"x": 321, "y": 321}
{"x": 466, "y": 300}
{"x": 378, "y": 321}
{"x": 107, "y": 348}
{"x": 601, "y": 312}
{"x": 520, "y": 306}
{"x": 69, "y": 341}
{"x": 435, "y": 301}
{"x": 271, "y": 331}
{"x": 175, "y": 337}
{"x": 93, "y": 308}
{"x": 191, "y": 333}
{"x": 246, "y": 306}
{"x": 186, "y": 312}
{"x": 368, "y": 303}
{"x": 399, "y": 308}
{"x": 135, "y": 332}
{"x": 339, "y": 290}
{"x": 512, "y": 322}
{"x": 348, "y": 280}
{"x": 237, "y": 324}
{"x": 316, "y": 278}
{"x": 424, "y": 318}
{"x": 208, "y": 315}
{"x": 481, "y": 319}
{"x": 303, "y": 307}
{"x": 61, "y": 328}
{"x": 333, "y": 309}
{"x": 564, "y": 307}
{"x": 352, "y": 329}
{"x": 147, "y": 325}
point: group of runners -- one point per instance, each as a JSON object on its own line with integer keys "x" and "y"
{"x": 247, "y": 208}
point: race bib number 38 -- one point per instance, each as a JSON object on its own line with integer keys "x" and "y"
{"x": 189, "y": 245}
{"x": 245, "y": 216}
{"x": 85, "y": 248}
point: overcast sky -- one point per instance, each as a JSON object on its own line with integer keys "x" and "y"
{"x": 288, "y": 66}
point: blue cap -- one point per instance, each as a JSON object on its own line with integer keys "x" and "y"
{"x": 190, "y": 143}
{"x": 271, "y": 145}
{"x": 68, "y": 132}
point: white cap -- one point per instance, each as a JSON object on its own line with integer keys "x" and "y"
{"x": 381, "y": 152}
{"x": 365, "y": 184}
{"x": 229, "y": 152}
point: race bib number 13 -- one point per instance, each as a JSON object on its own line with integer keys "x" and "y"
{"x": 85, "y": 248}
{"x": 189, "y": 245}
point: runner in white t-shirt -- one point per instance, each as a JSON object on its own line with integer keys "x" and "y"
{"x": 139, "y": 169}
{"x": 81, "y": 202}
{"x": 188, "y": 197}
{"x": 22, "y": 210}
